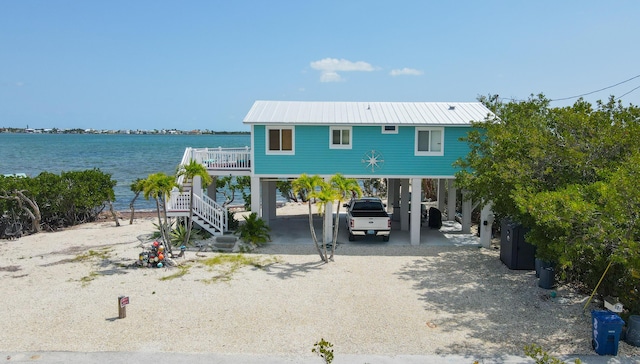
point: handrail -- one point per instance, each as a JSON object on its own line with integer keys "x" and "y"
{"x": 210, "y": 211}
{"x": 178, "y": 201}
{"x": 186, "y": 158}
{"x": 203, "y": 207}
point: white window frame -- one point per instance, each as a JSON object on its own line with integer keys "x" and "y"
{"x": 394, "y": 131}
{"x": 430, "y": 152}
{"x": 280, "y": 151}
{"x": 341, "y": 129}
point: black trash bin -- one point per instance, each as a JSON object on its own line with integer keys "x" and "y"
{"x": 540, "y": 265}
{"x": 547, "y": 278}
{"x": 435, "y": 218}
{"x": 515, "y": 252}
{"x": 633, "y": 330}
{"x": 607, "y": 327}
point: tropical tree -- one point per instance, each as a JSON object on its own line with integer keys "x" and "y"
{"x": 136, "y": 187}
{"x": 338, "y": 189}
{"x": 15, "y": 196}
{"x": 228, "y": 186}
{"x": 189, "y": 172}
{"x": 570, "y": 176}
{"x": 158, "y": 186}
{"x": 345, "y": 189}
{"x": 324, "y": 196}
{"x": 307, "y": 185}
{"x": 50, "y": 201}
{"x": 286, "y": 190}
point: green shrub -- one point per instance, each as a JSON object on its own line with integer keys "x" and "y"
{"x": 324, "y": 349}
{"x": 254, "y": 230}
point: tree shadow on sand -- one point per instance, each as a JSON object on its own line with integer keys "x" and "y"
{"x": 498, "y": 310}
{"x": 289, "y": 271}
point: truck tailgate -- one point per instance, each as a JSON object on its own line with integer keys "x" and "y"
{"x": 371, "y": 223}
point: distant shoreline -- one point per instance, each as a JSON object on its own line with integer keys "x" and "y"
{"x": 6, "y": 130}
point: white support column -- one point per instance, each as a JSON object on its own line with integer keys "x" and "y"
{"x": 266, "y": 200}
{"x": 404, "y": 204}
{"x": 391, "y": 194}
{"x": 211, "y": 188}
{"x": 451, "y": 201}
{"x": 395, "y": 202}
{"x": 486, "y": 224}
{"x": 416, "y": 193}
{"x": 467, "y": 207}
{"x": 196, "y": 185}
{"x": 441, "y": 193}
{"x": 272, "y": 199}
{"x": 256, "y": 196}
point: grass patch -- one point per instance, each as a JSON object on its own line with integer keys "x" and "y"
{"x": 87, "y": 279}
{"x": 182, "y": 270}
{"x": 227, "y": 264}
{"x": 101, "y": 254}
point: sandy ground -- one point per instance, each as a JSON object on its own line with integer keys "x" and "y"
{"x": 60, "y": 291}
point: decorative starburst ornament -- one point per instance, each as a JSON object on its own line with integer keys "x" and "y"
{"x": 373, "y": 160}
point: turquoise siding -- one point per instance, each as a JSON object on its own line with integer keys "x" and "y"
{"x": 313, "y": 155}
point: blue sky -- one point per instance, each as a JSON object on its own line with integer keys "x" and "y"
{"x": 201, "y": 64}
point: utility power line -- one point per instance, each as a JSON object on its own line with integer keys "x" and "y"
{"x": 602, "y": 89}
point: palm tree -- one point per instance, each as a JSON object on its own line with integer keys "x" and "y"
{"x": 307, "y": 185}
{"x": 136, "y": 187}
{"x": 190, "y": 171}
{"x": 345, "y": 188}
{"x": 327, "y": 194}
{"x": 159, "y": 186}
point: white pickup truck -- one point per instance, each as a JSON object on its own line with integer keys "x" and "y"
{"x": 367, "y": 216}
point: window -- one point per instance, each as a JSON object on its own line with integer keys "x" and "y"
{"x": 429, "y": 141}
{"x": 389, "y": 129}
{"x": 280, "y": 140}
{"x": 340, "y": 137}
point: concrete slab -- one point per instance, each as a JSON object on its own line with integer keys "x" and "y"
{"x": 294, "y": 229}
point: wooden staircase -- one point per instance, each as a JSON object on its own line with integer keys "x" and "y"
{"x": 208, "y": 214}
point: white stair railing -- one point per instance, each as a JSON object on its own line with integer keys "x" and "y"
{"x": 204, "y": 207}
{"x": 211, "y": 212}
{"x": 186, "y": 158}
{"x": 178, "y": 201}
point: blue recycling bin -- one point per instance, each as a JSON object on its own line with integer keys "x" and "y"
{"x": 607, "y": 327}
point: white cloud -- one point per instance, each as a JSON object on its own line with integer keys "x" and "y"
{"x": 330, "y": 76}
{"x": 329, "y": 68}
{"x": 406, "y": 71}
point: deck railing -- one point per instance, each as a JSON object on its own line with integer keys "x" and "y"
{"x": 230, "y": 159}
{"x": 222, "y": 158}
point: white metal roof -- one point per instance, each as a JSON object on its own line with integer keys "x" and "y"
{"x": 364, "y": 113}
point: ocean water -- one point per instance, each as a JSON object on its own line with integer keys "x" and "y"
{"x": 125, "y": 156}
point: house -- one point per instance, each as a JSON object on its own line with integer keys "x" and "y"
{"x": 403, "y": 142}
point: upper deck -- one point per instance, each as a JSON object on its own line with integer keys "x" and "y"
{"x": 221, "y": 161}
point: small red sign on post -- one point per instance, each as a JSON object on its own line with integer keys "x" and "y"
{"x": 123, "y": 301}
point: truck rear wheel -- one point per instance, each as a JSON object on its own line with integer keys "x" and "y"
{"x": 351, "y": 237}
{"x": 385, "y": 238}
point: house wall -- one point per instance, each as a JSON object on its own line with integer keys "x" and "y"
{"x": 313, "y": 155}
